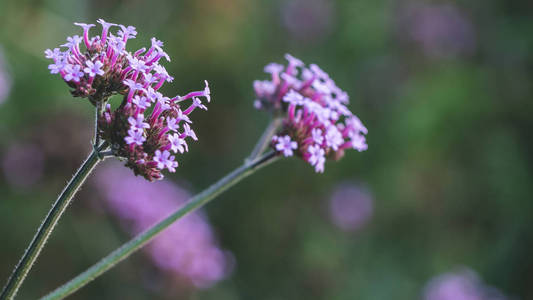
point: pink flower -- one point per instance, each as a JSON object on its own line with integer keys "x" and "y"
{"x": 72, "y": 41}
{"x": 73, "y": 73}
{"x": 189, "y": 132}
{"x": 5, "y": 79}
{"x": 53, "y": 54}
{"x": 23, "y": 164}
{"x": 141, "y": 101}
{"x": 138, "y": 122}
{"x": 351, "y": 206}
{"x": 177, "y": 144}
{"x": 316, "y": 158}
{"x": 142, "y": 138}
{"x": 135, "y": 137}
{"x": 285, "y": 145}
{"x": 94, "y": 69}
{"x": 462, "y": 284}
{"x": 165, "y": 160}
{"x": 317, "y": 136}
{"x": 316, "y": 119}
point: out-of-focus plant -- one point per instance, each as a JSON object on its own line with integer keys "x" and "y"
{"x": 188, "y": 248}
{"x": 5, "y": 79}
{"x": 462, "y": 284}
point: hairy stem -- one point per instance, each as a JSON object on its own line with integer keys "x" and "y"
{"x": 97, "y": 112}
{"x": 263, "y": 142}
{"x": 39, "y": 240}
{"x": 107, "y": 153}
{"x": 144, "y": 237}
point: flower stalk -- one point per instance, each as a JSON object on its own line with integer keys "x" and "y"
{"x": 97, "y": 113}
{"x": 265, "y": 138}
{"x": 50, "y": 221}
{"x": 144, "y": 237}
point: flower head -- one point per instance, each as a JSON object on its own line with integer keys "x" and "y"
{"x": 23, "y": 164}
{"x": 143, "y": 129}
{"x": 317, "y": 124}
{"x": 460, "y": 284}
{"x": 351, "y": 206}
{"x": 5, "y": 79}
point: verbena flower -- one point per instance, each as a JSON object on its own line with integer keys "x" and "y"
{"x": 462, "y": 284}
{"x": 139, "y": 130}
{"x": 351, "y": 206}
{"x": 317, "y": 124}
{"x": 188, "y": 248}
{"x": 5, "y": 78}
{"x": 439, "y": 30}
{"x": 23, "y": 164}
{"x": 308, "y": 21}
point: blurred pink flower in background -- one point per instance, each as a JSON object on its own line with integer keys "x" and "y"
{"x": 463, "y": 284}
{"x": 307, "y": 20}
{"x": 23, "y": 164}
{"x": 440, "y": 30}
{"x": 350, "y": 206}
{"x": 40, "y": 149}
{"x": 188, "y": 248}
{"x": 5, "y": 79}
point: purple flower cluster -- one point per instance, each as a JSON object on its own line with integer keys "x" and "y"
{"x": 147, "y": 141}
{"x": 187, "y": 248}
{"x": 351, "y": 206}
{"x": 440, "y": 30}
{"x": 308, "y": 20}
{"x": 23, "y": 164}
{"x": 317, "y": 124}
{"x": 463, "y": 284}
{"x": 5, "y": 79}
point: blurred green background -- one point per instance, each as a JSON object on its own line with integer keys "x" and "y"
{"x": 444, "y": 88}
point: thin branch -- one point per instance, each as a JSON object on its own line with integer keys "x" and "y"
{"x": 265, "y": 139}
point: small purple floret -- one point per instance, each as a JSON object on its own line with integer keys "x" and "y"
{"x": 94, "y": 69}
{"x": 285, "y": 145}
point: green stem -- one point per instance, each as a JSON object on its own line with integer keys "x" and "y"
{"x": 32, "y": 252}
{"x": 265, "y": 139}
{"x": 97, "y": 112}
{"x": 144, "y": 237}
